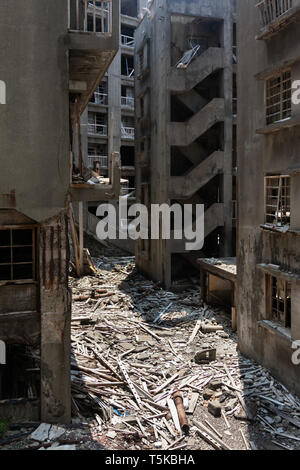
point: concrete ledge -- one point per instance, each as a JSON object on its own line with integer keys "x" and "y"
{"x": 275, "y": 271}
{"x": 278, "y": 126}
{"x": 274, "y": 328}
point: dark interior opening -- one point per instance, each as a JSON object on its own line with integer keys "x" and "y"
{"x": 129, "y": 8}
{"x": 127, "y": 156}
{"x": 20, "y": 376}
{"x": 127, "y": 65}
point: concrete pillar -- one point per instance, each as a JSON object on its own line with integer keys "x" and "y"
{"x": 55, "y": 322}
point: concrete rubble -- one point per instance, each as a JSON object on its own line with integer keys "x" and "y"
{"x": 133, "y": 345}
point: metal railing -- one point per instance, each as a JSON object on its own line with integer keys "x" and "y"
{"x": 100, "y": 98}
{"x": 270, "y": 10}
{"x": 127, "y": 132}
{"x": 127, "y": 40}
{"x": 127, "y": 102}
{"x": 97, "y": 129}
{"x": 90, "y": 16}
{"x": 101, "y": 159}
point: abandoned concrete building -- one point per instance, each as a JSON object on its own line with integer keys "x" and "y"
{"x": 108, "y": 123}
{"x": 184, "y": 126}
{"x": 268, "y": 185}
{"x": 163, "y": 102}
{"x": 53, "y": 67}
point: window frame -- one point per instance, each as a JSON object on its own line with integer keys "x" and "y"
{"x": 270, "y": 116}
{"x": 34, "y": 259}
{"x": 287, "y": 310}
{"x": 286, "y": 197}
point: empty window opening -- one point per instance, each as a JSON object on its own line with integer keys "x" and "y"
{"x": 129, "y": 8}
{"x": 127, "y": 156}
{"x": 127, "y": 97}
{"x": 279, "y": 298}
{"x": 17, "y": 254}
{"x": 189, "y": 32}
{"x": 127, "y": 36}
{"x": 279, "y": 97}
{"x": 100, "y": 96}
{"x": 20, "y": 376}
{"x": 278, "y": 204}
{"x": 127, "y": 65}
{"x": 97, "y": 123}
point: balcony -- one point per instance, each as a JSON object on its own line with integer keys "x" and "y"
{"x": 100, "y": 98}
{"x": 127, "y": 41}
{"x": 90, "y": 16}
{"x": 99, "y": 188}
{"x": 101, "y": 159}
{"x": 127, "y": 102}
{"x": 93, "y": 41}
{"x": 276, "y": 15}
{"x": 97, "y": 129}
{"x": 127, "y": 133}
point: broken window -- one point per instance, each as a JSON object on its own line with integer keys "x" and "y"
{"x": 17, "y": 254}
{"x": 127, "y": 65}
{"x": 278, "y": 204}
{"x": 279, "y": 97}
{"x": 279, "y": 298}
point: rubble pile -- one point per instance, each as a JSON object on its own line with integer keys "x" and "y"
{"x": 152, "y": 369}
{"x": 137, "y": 347}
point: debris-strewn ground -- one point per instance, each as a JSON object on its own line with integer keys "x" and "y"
{"x": 133, "y": 344}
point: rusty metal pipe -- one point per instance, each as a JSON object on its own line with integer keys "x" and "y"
{"x": 178, "y": 400}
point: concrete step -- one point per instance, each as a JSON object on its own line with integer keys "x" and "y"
{"x": 182, "y": 187}
{"x": 185, "y": 133}
{"x": 207, "y": 63}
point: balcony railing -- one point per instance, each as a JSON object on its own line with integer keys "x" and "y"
{"x": 97, "y": 129}
{"x": 100, "y": 98}
{"x": 101, "y": 159}
{"x": 91, "y": 16}
{"x": 127, "y": 132}
{"x": 271, "y": 10}
{"x": 127, "y": 102}
{"x": 127, "y": 41}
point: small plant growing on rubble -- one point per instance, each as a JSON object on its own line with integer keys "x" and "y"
{"x": 3, "y": 427}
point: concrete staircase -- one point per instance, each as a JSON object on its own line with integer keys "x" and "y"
{"x": 200, "y": 68}
{"x": 184, "y": 133}
{"x": 185, "y": 186}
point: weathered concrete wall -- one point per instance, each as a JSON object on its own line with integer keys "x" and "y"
{"x": 34, "y": 121}
{"x": 259, "y": 155}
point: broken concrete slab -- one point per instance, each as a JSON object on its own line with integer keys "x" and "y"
{"x": 47, "y": 432}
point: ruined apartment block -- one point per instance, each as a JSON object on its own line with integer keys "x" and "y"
{"x": 108, "y": 123}
{"x": 268, "y": 183}
{"x": 184, "y": 126}
{"x": 58, "y": 53}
